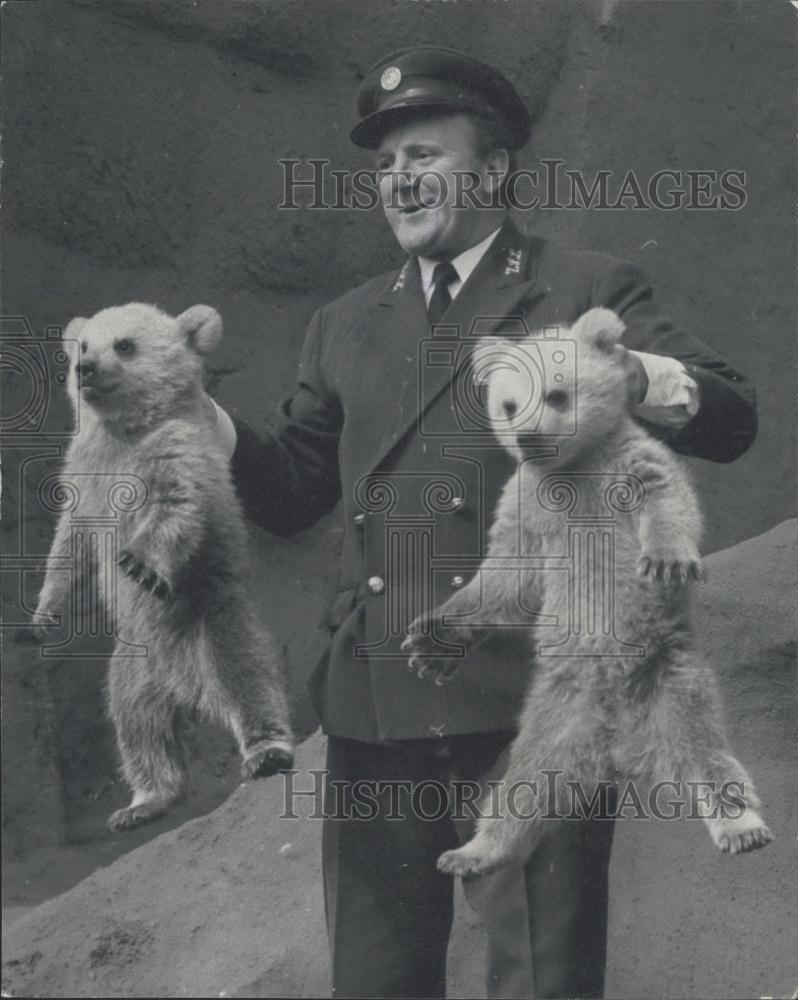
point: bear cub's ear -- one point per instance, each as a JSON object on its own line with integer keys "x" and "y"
{"x": 73, "y": 328}
{"x": 71, "y": 336}
{"x": 202, "y": 326}
{"x": 601, "y": 327}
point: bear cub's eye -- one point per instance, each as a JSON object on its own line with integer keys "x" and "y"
{"x": 557, "y": 398}
{"x": 125, "y": 347}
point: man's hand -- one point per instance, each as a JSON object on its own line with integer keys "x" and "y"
{"x": 660, "y": 388}
{"x": 636, "y": 375}
{"x": 219, "y": 424}
{"x": 209, "y": 410}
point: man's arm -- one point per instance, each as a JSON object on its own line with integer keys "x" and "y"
{"x": 719, "y": 421}
{"x": 287, "y": 477}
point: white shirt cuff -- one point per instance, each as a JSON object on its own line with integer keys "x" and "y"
{"x": 225, "y": 429}
{"x": 672, "y": 396}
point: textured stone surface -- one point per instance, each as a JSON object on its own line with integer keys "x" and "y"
{"x": 231, "y": 903}
{"x": 140, "y": 144}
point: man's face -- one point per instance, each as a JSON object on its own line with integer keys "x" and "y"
{"x": 417, "y": 164}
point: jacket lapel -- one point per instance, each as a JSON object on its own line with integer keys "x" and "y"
{"x": 502, "y": 279}
{"x": 393, "y": 334}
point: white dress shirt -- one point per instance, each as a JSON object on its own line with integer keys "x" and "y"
{"x": 464, "y": 264}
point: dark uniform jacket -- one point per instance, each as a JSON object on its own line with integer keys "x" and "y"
{"x": 381, "y": 421}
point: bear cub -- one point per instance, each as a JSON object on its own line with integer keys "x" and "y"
{"x": 177, "y": 571}
{"x": 624, "y": 694}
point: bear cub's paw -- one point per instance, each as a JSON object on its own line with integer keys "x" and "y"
{"x": 45, "y": 625}
{"x": 466, "y": 862}
{"x": 672, "y": 566}
{"x": 741, "y": 834}
{"x": 136, "y": 566}
{"x": 423, "y": 643}
{"x": 267, "y": 758}
{"x": 136, "y": 815}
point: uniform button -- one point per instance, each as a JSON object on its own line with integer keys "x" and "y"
{"x": 457, "y": 581}
{"x": 376, "y": 584}
{"x": 359, "y": 518}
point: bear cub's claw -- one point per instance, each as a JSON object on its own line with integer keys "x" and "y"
{"x": 669, "y": 570}
{"x": 41, "y": 631}
{"x": 465, "y": 863}
{"x": 149, "y": 579}
{"x": 425, "y": 653}
{"x": 138, "y": 815}
{"x": 441, "y": 668}
{"x": 742, "y": 834}
{"x": 265, "y": 760}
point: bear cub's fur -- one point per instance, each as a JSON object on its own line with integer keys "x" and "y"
{"x": 181, "y": 550}
{"x": 592, "y": 715}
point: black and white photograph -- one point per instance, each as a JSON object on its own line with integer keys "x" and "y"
{"x": 399, "y": 530}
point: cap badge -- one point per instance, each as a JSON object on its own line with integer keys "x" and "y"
{"x": 391, "y": 78}
{"x": 400, "y": 280}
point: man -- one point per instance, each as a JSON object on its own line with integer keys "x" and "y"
{"x": 380, "y": 420}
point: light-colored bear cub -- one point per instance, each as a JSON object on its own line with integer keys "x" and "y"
{"x": 623, "y": 694}
{"x": 136, "y": 387}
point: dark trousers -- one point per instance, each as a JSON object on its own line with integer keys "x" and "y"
{"x": 389, "y": 910}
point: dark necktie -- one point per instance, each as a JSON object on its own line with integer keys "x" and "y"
{"x": 440, "y": 300}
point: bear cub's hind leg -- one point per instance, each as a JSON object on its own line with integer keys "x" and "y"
{"x": 245, "y": 694}
{"x": 145, "y": 720}
{"x": 685, "y": 735}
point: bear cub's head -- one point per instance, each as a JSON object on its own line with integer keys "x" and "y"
{"x": 135, "y": 365}
{"x": 570, "y": 391}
